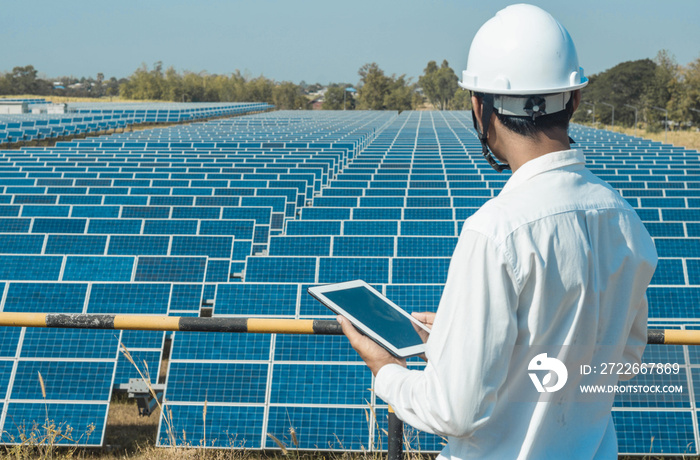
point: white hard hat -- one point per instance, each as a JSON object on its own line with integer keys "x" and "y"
{"x": 522, "y": 50}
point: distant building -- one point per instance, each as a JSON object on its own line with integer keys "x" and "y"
{"x": 13, "y": 107}
{"x": 317, "y": 104}
{"x": 49, "y": 108}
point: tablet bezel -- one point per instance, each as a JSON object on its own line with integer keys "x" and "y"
{"x": 318, "y": 292}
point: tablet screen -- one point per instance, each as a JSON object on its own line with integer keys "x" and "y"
{"x": 374, "y": 315}
{"x": 374, "y": 312}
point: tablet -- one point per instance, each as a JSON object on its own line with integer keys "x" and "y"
{"x": 374, "y": 315}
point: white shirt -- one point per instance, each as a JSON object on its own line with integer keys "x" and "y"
{"x": 558, "y": 263}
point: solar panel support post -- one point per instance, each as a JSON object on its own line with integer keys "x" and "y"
{"x": 395, "y": 437}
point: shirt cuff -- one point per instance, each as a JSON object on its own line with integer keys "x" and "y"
{"x": 386, "y": 377}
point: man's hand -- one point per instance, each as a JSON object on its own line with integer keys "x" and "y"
{"x": 371, "y": 353}
{"x": 427, "y": 319}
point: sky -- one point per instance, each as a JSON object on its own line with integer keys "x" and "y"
{"x": 315, "y": 40}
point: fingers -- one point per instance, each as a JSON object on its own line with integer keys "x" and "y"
{"x": 427, "y": 319}
{"x": 371, "y": 353}
{"x": 424, "y": 317}
{"x": 348, "y": 329}
{"x": 350, "y": 332}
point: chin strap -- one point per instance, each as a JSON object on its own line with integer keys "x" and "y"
{"x": 487, "y": 111}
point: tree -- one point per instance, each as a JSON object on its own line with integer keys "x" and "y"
{"x": 374, "y": 87}
{"x": 691, "y": 76}
{"x": 336, "y": 95}
{"x": 145, "y": 84}
{"x": 439, "y": 84}
{"x": 22, "y": 80}
{"x": 626, "y": 83}
{"x": 461, "y": 100}
{"x": 400, "y": 95}
{"x": 288, "y": 96}
{"x": 333, "y": 99}
{"x": 260, "y": 90}
{"x": 428, "y": 84}
{"x": 380, "y": 92}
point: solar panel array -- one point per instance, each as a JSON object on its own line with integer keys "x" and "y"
{"x": 91, "y": 117}
{"x": 243, "y": 215}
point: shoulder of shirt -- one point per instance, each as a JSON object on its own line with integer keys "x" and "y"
{"x": 545, "y": 195}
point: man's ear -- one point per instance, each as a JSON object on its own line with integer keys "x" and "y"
{"x": 478, "y": 108}
{"x": 576, "y": 100}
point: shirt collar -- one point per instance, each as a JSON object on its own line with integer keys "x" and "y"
{"x": 539, "y": 165}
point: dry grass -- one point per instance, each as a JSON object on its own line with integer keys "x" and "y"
{"x": 62, "y": 99}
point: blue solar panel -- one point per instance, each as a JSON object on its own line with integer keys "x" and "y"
{"x": 673, "y": 302}
{"x": 211, "y": 246}
{"x": 121, "y": 245}
{"x": 76, "y": 244}
{"x": 654, "y": 432}
{"x": 82, "y": 381}
{"x": 300, "y": 246}
{"x": 170, "y": 227}
{"x": 172, "y": 269}
{"x": 148, "y": 362}
{"x": 420, "y": 270}
{"x": 85, "y": 422}
{"x": 669, "y": 271}
{"x": 226, "y": 426}
{"x": 311, "y": 348}
{"x": 281, "y": 269}
{"x": 342, "y": 428}
{"x": 217, "y": 382}
{"x": 21, "y": 244}
{"x": 59, "y": 226}
{"x": 678, "y": 247}
{"x": 425, "y": 247}
{"x": 434, "y": 228}
{"x": 360, "y": 227}
{"x": 115, "y": 227}
{"x": 9, "y": 339}
{"x": 374, "y": 270}
{"x": 256, "y": 299}
{"x": 45, "y": 297}
{"x": 90, "y": 268}
{"x": 69, "y": 344}
{"x": 321, "y": 384}
{"x": 30, "y": 268}
{"x": 129, "y": 298}
{"x": 363, "y": 246}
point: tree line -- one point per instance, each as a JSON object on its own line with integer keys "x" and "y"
{"x": 653, "y": 88}
{"x": 376, "y": 90}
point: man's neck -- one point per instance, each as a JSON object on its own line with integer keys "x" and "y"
{"x": 518, "y": 150}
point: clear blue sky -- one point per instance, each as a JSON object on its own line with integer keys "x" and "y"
{"x": 315, "y": 40}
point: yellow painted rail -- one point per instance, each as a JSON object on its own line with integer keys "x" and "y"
{"x": 251, "y": 325}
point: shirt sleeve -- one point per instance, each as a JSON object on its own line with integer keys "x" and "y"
{"x": 637, "y": 340}
{"x": 468, "y": 348}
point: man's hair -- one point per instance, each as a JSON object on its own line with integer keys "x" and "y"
{"x": 526, "y": 126}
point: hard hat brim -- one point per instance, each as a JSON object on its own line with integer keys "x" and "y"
{"x": 523, "y": 92}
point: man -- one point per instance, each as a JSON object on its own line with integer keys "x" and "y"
{"x": 546, "y": 277}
